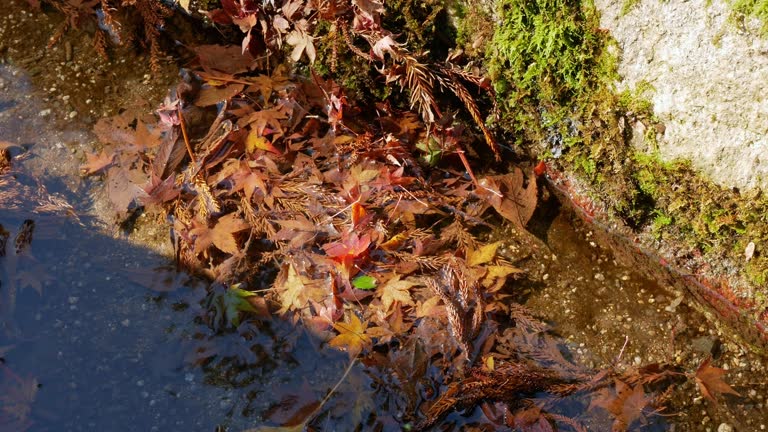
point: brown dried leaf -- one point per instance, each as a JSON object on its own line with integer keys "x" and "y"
{"x": 710, "y": 381}
{"x": 228, "y": 59}
{"x": 212, "y": 95}
{"x": 396, "y": 290}
{"x": 222, "y": 235}
{"x": 513, "y": 195}
{"x": 97, "y": 162}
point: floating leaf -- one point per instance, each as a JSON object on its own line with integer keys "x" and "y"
{"x": 364, "y": 282}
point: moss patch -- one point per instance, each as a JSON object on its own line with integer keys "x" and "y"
{"x": 553, "y": 70}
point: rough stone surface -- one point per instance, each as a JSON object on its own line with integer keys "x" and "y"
{"x": 709, "y": 79}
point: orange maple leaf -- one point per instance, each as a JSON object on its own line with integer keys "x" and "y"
{"x": 352, "y": 336}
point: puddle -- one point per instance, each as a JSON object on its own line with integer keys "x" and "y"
{"x": 104, "y": 335}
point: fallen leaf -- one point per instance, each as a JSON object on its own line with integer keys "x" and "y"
{"x": 222, "y": 235}
{"x": 710, "y": 381}
{"x": 97, "y": 162}
{"x": 290, "y": 290}
{"x": 396, "y": 290}
{"x": 352, "y": 336}
{"x": 255, "y": 141}
{"x": 364, "y": 282}
{"x": 513, "y": 196}
{"x": 483, "y": 255}
{"x": 301, "y": 43}
{"x": 212, "y": 95}
{"x": 228, "y": 59}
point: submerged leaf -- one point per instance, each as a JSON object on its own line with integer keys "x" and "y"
{"x": 710, "y": 381}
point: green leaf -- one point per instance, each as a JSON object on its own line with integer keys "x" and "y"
{"x": 364, "y": 282}
{"x": 235, "y": 301}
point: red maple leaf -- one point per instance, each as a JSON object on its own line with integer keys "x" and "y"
{"x": 347, "y": 250}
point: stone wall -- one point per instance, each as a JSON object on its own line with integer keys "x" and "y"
{"x": 709, "y": 83}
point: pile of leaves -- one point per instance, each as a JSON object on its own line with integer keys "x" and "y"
{"x": 363, "y": 223}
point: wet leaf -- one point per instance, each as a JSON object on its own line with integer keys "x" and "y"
{"x": 235, "y": 300}
{"x": 364, "y": 282}
{"x": 625, "y": 403}
{"x": 123, "y": 189}
{"x": 710, "y": 381}
{"x": 513, "y": 196}
{"x": 352, "y": 336}
{"x": 212, "y": 95}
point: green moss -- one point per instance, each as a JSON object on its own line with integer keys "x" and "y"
{"x": 751, "y": 8}
{"x": 627, "y": 6}
{"x": 547, "y": 58}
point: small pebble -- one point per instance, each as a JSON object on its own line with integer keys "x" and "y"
{"x": 73, "y": 114}
{"x": 725, "y": 427}
{"x": 45, "y": 113}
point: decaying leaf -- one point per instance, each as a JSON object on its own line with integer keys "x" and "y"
{"x": 513, "y": 195}
{"x": 710, "y": 381}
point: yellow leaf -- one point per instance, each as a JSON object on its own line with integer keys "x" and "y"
{"x": 351, "y": 336}
{"x": 500, "y": 271}
{"x": 184, "y": 4}
{"x": 254, "y": 141}
{"x": 291, "y": 290}
{"x": 483, "y": 255}
{"x": 396, "y": 290}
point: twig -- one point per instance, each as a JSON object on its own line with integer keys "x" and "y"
{"x": 184, "y": 134}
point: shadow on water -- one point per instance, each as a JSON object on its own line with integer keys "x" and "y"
{"x": 100, "y": 338}
{"x": 97, "y": 333}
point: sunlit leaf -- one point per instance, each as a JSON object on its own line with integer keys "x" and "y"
{"x": 290, "y": 290}
{"x": 255, "y": 141}
{"x": 396, "y": 290}
{"x": 483, "y": 255}
{"x": 352, "y": 336}
{"x": 364, "y": 282}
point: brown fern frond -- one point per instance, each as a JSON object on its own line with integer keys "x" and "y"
{"x": 100, "y": 43}
{"x": 452, "y": 82}
{"x": 208, "y": 204}
{"x": 350, "y": 43}
{"x": 419, "y": 80}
